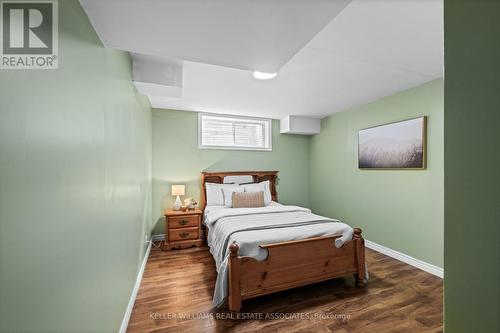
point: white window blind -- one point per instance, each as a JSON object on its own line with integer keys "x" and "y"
{"x": 233, "y": 132}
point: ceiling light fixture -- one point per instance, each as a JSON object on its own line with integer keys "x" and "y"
{"x": 264, "y": 76}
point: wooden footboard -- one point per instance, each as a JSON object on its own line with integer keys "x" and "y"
{"x": 292, "y": 264}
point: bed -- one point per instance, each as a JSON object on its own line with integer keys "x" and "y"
{"x": 263, "y": 250}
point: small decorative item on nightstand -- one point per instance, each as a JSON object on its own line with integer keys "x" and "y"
{"x": 183, "y": 229}
{"x": 178, "y": 190}
{"x": 190, "y": 203}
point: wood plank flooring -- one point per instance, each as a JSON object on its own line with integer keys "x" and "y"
{"x": 399, "y": 298}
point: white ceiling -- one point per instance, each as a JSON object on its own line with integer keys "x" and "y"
{"x": 246, "y": 34}
{"x": 371, "y": 49}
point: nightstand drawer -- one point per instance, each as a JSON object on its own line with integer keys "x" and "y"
{"x": 182, "y": 234}
{"x": 183, "y": 229}
{"x": 183, "y": 221}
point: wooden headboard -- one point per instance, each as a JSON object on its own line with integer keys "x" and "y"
{"x": 218, "y": 177}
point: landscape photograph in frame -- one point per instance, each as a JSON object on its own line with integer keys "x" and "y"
{"x": 398, "y": 145}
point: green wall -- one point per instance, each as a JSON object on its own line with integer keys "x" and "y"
{"x": 472, "y": 162}
{"x": 75, "y": 186}
{"x": 402, "y": 210}
{"x": 177, "y": 159}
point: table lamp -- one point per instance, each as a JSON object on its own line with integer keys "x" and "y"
{"x": 178, "y": 190}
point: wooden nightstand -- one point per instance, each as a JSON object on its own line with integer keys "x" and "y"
{"x": 183, "y": 229}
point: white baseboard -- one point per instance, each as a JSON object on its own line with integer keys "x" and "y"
{"x": 158, "y": 237}
{"x": 130, "y": 306}
{"x": 429, "y": 268}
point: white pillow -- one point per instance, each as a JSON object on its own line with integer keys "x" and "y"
{"x": 242, "y": 179}
{"x": 214, "y": 193}
{"x": 228, "y": 195}
{"x": 262, "y": 186}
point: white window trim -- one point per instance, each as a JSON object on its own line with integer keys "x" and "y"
{"x": 269, "y": 121}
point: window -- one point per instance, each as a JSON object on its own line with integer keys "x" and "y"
{"x": 233, "y": 132}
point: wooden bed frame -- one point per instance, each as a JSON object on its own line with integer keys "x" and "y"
{"x": 288, "y": 264}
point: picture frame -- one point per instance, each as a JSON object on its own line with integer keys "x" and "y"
{"x": 400, "y": 145}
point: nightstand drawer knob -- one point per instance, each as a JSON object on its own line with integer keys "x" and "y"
{"x": 184, "y": 234}
{"x": 183, "y": 222}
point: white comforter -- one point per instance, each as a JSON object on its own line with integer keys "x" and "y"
{"x": 251, "y": 227}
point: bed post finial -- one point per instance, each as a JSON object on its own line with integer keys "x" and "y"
{"x": 233, "y": 248}
{"x": 357, "y": 232}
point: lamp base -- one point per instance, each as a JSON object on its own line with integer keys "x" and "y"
{"x": 177, "y": 204}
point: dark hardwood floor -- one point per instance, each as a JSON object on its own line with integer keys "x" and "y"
{"x": 399, "y": 298}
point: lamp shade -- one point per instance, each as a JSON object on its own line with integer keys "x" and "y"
{"x": 178, "y": 189}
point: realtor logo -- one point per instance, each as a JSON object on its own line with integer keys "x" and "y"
{"x": 29, "y": 34}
